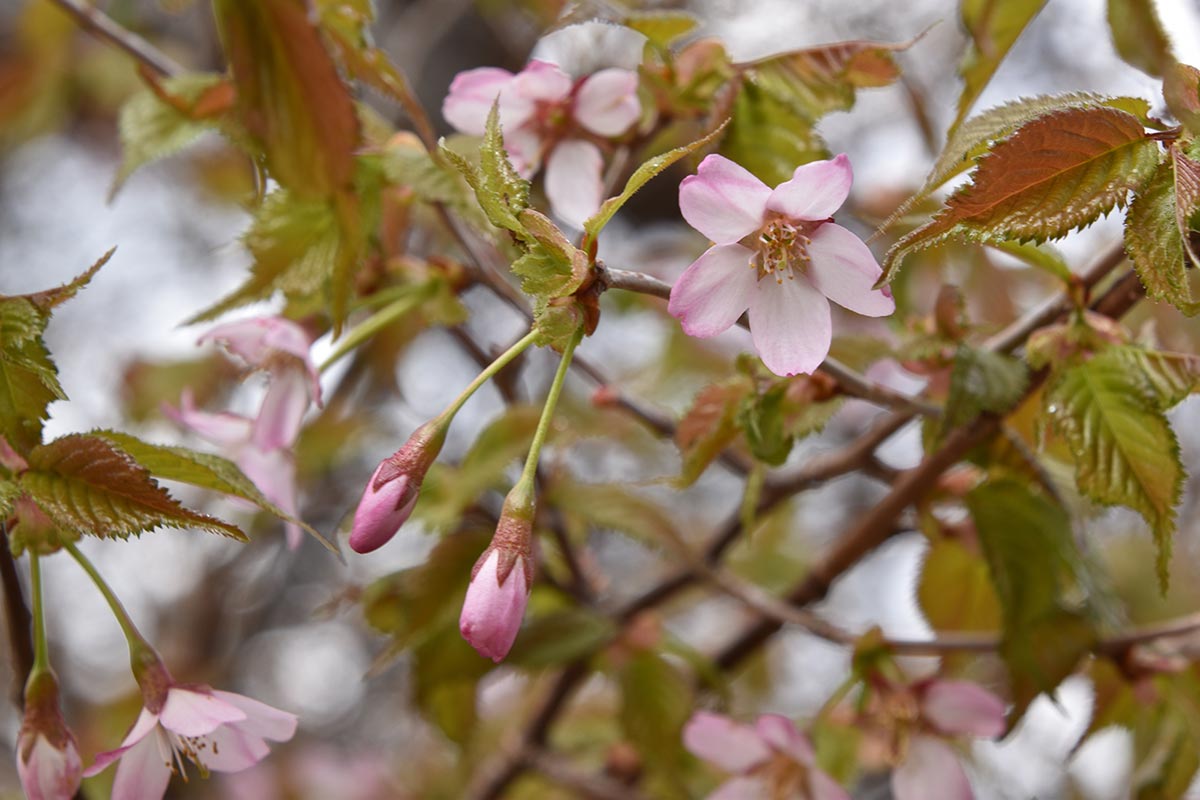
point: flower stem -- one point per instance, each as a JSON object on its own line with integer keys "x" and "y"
{"x": 483, "y": 377}
{"x": 41, "y": 654}
{"x": 403, "y": 304}
{"x": 137, "y": 643}
{"x": 524, "y": 488}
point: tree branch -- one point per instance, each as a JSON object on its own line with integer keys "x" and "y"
{"x": 100, "y": 25}
{"x": 17, "y": 620}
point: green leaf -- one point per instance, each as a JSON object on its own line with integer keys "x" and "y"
{"x": 1154, "y": 242}
{"x": 151, "y": 129}
{"x": 762, "y": 419}
{"x": 982, "y": 381}
{"x": 954, "y": 591}
{"x": 1125, "y": 451}
{"x": 552, "y": 267}
{"x": 993, "y": 26}
{"x": 655, "y": 704}
{"x": 662, "y": 28}
{"x": 1181, "y": 90}
{"x": 49, "y": 299}
{"x": 1187, "y": 195}
{"x": 9, "y": 492}
{"x": 1170, "y": 376}
{"x": 560, "y": 637}
{"x": 1042, "y": 256}
{"x": 769, "y": 137}
{"x": 28, "y": 378}
{"x": 86, "y": 484}
{"x": 640, "y": 177}
{"x": 1138, "y": 35}
{"x": 201, "y": 469}
{"x": 617, "y": 507}
{"x": 1055, "y": 174}
{"x": 445, "y": 674}
{"x": 502, "y": 193}
{"x": 1047, "y": 652}
{"x": 709, "y": 426}
{"x": 405, "y": 162}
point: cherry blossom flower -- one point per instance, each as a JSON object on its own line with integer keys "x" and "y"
{"x": 393, "y": 488}
{"x": 549, "y": 118}
{"x": 777, "y": 253}
{"x": 769, "y": 759}
{"x": 262, "y": 446}
{"x": 47, "y": 758}
{"x": 216, "y": 731}
{"x": 499, "y": 591}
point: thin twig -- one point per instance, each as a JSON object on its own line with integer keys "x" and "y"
{"x": 97, "y": 23}
{"x": 17, "y": 619}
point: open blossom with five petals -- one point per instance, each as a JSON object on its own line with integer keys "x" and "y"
{"x": 262, "y": 446}
{"x": 778, "y": 253}
{"x": 216, "y": 731}
{"x": 768, "y": 759}
{"x": 549, "y": 118}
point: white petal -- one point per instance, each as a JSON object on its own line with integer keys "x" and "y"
{"x": 195, "y": 713}
{"x": 586, "y": 47}
{"x": 261, "y": 720}
{"x": 815, "y": 191}
{"x": 282, "y": 410}
{"x": 574, "y": 181}
{"x": 144, "y": 771}
{"x": 541, "y": 82}
{"x": 730, "y": 745}
{"x": 713, "y": 292}
{"x": 607, "y": 102}
{"x": 790, "y": 324}
{"x": 723, "y": 200}
{"x": 844, "y": 270}
{"x": 229, "y": 749}
{"x": 931, "y": 772}
{"x": 781, "y": 733}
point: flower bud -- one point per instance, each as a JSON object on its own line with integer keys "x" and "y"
{"x": 392, "y": 491}
{"x": 47, "y": 759}
{"x": 499, "y": 589}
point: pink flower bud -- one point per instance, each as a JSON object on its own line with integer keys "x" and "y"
{"x": 47, "y": 759}
{"x": 499, "y": 590}
{"x": 392, "y": 491}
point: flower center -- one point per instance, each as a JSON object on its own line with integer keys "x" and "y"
{"x": 781, "y": 247}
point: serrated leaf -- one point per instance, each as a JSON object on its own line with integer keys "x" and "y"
{"x": 49, "y": 299}
{"x": 1170, "y": 376}
{"x": 1181, "y": 90}
{"x": 406, "y": 162}
{"x": 501, "y": 192}
{"x": 762, "y": 418}
{"x": 640, "y": 177}
{"x": 1055, "y": 174}
{"x": 559, "y": 637}
{"x": 1154, "y": 243}
{"x": 662, "y": 28}
{"x": 768, "y": 137}
{"x": 994, "y": 26}
{"x": 86, "y": 484}
{"x": 9, "y": 492}
{"x": 980, "y": 381}
{"x": 1187, "y": 197}
{"x": 1125, "y": 451}
{"x": 1046, "y": 653}
{"x": 552, "y": 266}
{"x": 28, "y": 378}
{"x": 1138, "y": 35}
{"x": 151, "y": 128}
{"x": 205, "y": 470}
{"x": 655, "y": 704}
{"x": 972, "y": 138}
{"x": 708, "y": 427}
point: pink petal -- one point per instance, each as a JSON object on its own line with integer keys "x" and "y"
{"x": 145, "y": 770}
{"x": 823, "y": 787}
{"x": 492, "y": 612}
{"x": 195, "y": 713}
{"x": 781, "y": 733}
{"x": 542, "y": 82}
{"x": 146, "y": 724}
{"x": 607, "y": 102}
{"x": 790, "y": 324}
{"x": 524, "y": 146}
{"x": 282, "y": 410}
{"x": 472, "y": 94}
{"x": 262, "y": 720}
{"x": 49, "y": 773}
{"x": 232, "y": 750}
{"x": 930, "y": 772}
{"x": 963, "y": 707}
{"x": 257, "y": 339}
{"x": 713, "y": 292}
{"x": 844, "y": 270}
{"x": 741, "y": 789}
{"x": 222, "y": 428}
{"x": 722, "y": 200}
{"x": 381, "y": 512}
{"x": 574, "y": 181}
{"x": 730, "y": 745}
{"x": 816, "y": 190}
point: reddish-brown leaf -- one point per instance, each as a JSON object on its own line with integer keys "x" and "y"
{"x": 709, "y": 426}
{"x": 1187, "y": 196}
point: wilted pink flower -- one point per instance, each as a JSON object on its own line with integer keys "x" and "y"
{"x": 778, "y": 254}
{"x": 500, "y": 584}
{"x": 769, "y": 759}
{"x": 216, "y": 731}
{"x": 47, "y": 759}
{"x": 392, "y": 490}
{"x": 547, "y": 117}
{"x": 262, "y": 446}
{"x": 931, "y": 770}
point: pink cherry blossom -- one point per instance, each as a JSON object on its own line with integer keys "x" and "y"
{"x": 549, "y": 118}
{"x": 47, "y": 758}
{"x": 777, "y": 253}
{"x": 495, "y": 603}
{"x": 769, "y": 759}
{"x": 262, "y": 446}
{"x": 393, "y": 488}
{"x": 216, "y": 731}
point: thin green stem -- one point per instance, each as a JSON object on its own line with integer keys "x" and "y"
{"x": 378, "y": 321}
{"x": 483, "y": 377}
{"x": 136, "y": 641}
{"x": 41, "y": 654}
{"x": 539, "y": 437}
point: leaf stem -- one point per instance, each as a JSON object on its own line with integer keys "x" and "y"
{"x": 487, "y": 373}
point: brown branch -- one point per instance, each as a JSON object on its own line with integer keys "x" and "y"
{"x": 582, "y": 784}
{"x": 17, "y": 620}
{"x": 100, "y": 25}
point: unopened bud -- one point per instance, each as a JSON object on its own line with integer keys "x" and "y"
{"x": 500, "y": 586}
{"x": 392, "y": 490}
{"x": 48, "y": 761}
